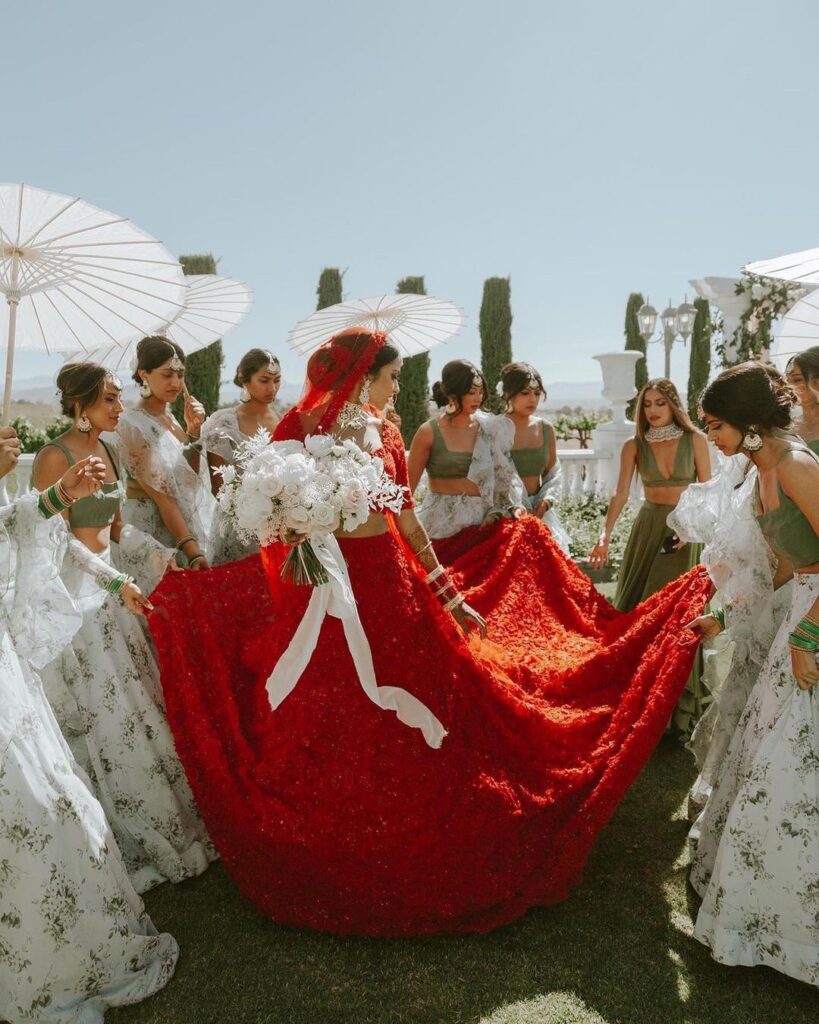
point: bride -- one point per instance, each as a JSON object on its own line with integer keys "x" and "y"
{"x": 332, "y": 813}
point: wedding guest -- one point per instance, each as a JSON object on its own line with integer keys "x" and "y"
{"x": 669, "y": 453}
{"x": 259, "y": 376}
{"x": 167, "y": 492}
{"x": 104, "y": 686}
{"x": 803, "y": 376}
{"x": 756, "y": 844}
{"x": 471, "y": 480}
{"x": 532, "y": 445}
{"x": 74, "y": 935}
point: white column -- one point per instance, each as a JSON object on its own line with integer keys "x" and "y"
{"x": 609, "y": 438}
{"x": 720, "y": 292}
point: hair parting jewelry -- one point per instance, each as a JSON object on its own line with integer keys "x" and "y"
{"x": 177, "y": 365}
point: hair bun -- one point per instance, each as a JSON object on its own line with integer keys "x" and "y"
{"x": 439, "y": 395}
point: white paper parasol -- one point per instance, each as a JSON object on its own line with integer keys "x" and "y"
{"x": 415, "y": 323}
{"x": 800, "y": 267}
{"x": 798, "y": 329}
{"x": 77, "y": 277}
{"x": 214, "y": 304}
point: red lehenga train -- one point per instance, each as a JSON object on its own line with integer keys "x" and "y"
{"x": 330, "y": 813}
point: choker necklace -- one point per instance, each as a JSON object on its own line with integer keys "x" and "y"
{"x": 350, "y": 416}
{"x": 668, "y": 433}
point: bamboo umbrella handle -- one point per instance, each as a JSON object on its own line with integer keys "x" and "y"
{"x": 9, "y": 361}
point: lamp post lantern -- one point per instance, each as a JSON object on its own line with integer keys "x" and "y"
{"x": 677, "y": 321}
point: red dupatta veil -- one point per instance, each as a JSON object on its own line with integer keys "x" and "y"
{"x": 333, "y": 372}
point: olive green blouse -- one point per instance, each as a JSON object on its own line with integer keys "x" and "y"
{"x": 98, "y": 510}
{"x": 445, "y": 464}
{"x": 684, "y": 471}
{"x": 532, "y": 461}
{"x": 787, "y": 529}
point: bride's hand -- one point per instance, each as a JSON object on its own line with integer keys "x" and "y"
{"x": 294, "y": 538}
{"x": 468, "y": 619}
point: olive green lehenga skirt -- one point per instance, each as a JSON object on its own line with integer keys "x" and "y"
{"x": 644, "y": 571}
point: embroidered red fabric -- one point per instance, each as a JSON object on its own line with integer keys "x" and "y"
{"x": 330, "y": 813}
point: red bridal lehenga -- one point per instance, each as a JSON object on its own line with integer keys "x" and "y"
{"x": 331, "y": 813}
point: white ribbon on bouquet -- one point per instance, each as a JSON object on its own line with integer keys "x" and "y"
{"x": 336, "y": 598}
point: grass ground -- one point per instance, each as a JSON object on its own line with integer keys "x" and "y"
{"x": 619, "y": 951}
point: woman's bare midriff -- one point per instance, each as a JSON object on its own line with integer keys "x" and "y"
{"x": 664, "y": 495}
{"x": 460, "y": 485}
{"x": 95, "y": 538}
{"x": 531, "y": 484}
{"x": 374, "y": 527}
{"x": 807, "y": 569}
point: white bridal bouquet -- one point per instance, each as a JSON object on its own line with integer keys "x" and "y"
{"x": 314, "y": 488}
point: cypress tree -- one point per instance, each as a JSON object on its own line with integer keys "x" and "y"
{"x": 495, "y": 326}
{"x": 328, "y": 292}
{"x": 203, "y": 368}
{"x": 411, "y": 404}
{"x": 700, "y": 365}
{"x": 635, "y": 342}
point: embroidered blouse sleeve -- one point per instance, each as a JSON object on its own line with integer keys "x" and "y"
{"x": 394, "y": 445}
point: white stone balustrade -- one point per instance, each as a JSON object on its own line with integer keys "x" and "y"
{"x": 19, "y": 480}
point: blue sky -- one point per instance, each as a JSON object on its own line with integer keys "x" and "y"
{"x": 587, "y": 149}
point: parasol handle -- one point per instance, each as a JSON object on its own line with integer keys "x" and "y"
{"x": 9, "y": 360}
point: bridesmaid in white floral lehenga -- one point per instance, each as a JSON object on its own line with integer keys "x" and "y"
{"x": 104, "y": 687}
{"x": 167, "y": 491}
{"x": 259, "y": 376}
{"x": 756, "y": 844}
{"x": 74, "y": 935}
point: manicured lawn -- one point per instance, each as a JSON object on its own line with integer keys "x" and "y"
{"x": 620, "y": 950}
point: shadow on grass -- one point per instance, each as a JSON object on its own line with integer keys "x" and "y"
{"x": 620, "y": 950}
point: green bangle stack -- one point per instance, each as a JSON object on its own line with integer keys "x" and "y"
{"x": 719, "y": 615}
{"x": 806, "y": 636}
{"x": 113, "y": 584}
{"x": 53, "y": 501}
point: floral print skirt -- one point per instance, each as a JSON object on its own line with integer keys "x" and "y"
{"x": 74, "y": 936}
{"x": 105, "y": 691}
{"x": 756, "y": 844}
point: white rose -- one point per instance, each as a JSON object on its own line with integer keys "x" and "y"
{"x": 324, "y": 516}
{"x": 270, "y": 485}
{"x": 297, "y": 517}
{"x": 319, "y": 445}
{"x": 352, "y": 494}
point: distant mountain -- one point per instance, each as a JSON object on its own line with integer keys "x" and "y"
{"x": 573, "y": 392}
{"x": 560, "y": 393}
